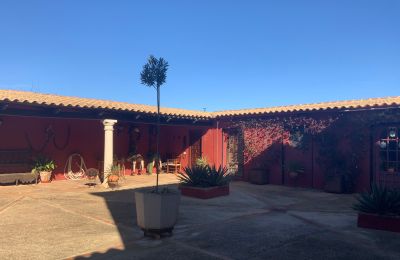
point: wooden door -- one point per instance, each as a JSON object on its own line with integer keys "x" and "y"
{"x": 195, "y": 146}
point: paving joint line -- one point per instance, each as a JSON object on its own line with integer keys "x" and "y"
{"x": 10, "y": 204}
{"x": 99, "y": 220}
{"x": 201, "y": 250}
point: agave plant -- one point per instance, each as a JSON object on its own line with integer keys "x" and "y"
{"x": 204, "y": 176}
{"x": 381, "y": 201}
{"x": 218, "y": 176}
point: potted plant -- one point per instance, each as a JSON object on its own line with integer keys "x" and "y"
{"x": 156, "y": 209}
{"x": 379, "y": 209}
{"x": 259, "y": 173}
{"x": 113, "y": 177}
{"x": 294, "y": 169}
{"x": 339, "y": 178}
{"x": 45, "y": 167}
{"x": 204, "y": 181}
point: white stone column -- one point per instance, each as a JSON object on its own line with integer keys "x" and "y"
{"x": 108, "y": 147}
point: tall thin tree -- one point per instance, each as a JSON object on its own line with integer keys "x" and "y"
{"x": 154, "y": 74}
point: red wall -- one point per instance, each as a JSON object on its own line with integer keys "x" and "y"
{"x": 87, "y": 139}
{"x": 212, "y": 146}
{"x": 313, "y": 177}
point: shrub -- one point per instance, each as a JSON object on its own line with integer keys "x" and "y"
{"x": 381, "y": 201}
{"x": 204, "y": 176}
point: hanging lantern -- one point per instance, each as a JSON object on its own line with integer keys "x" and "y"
{"x": 392, "y": 134}
{"x": 383, "y": 145}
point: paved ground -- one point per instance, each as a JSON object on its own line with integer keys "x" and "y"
{"x": 66, "y": 219}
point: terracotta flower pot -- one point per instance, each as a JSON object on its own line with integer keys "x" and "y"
{"x": 45, "y": 176}
{"x": 113, "y": 178}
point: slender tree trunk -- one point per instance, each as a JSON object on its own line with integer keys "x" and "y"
{"x": 158, "y": 137}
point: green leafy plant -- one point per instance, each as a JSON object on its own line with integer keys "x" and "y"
{"x": 202, "y": 161}
{"x": 205, "y": 176}
{"x": 154, "y": 74}
{"x": 115, "y": 169}
{"x": 381, "y": 201}
{"x": 44, "y": 164}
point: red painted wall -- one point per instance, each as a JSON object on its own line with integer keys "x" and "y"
{"x": 87, "y": 139}
{"x": 314, "y": 175}
{"x": 212, "y": 147}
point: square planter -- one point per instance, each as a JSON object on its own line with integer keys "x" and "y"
{"x": 258, "y": 176}
{"x": 378, "y": 222}
{"x": 334, "y": 184}
{"x": 157, "y": 212}
{"x": 204, "y": 193}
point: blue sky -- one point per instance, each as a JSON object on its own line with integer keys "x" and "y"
{"x": 222, "y": 54}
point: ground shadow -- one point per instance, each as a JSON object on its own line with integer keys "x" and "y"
{"x": 121, "y": 205}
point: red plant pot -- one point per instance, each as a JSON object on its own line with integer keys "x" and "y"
{"x": 378, "y": 222}
{"x": 204, "y": 193}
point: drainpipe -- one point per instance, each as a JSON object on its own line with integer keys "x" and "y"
{"x": 108, "y": 148}
{"x": 217, "y": 143}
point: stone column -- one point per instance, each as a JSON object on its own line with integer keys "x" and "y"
{"x": 108, "y": 147}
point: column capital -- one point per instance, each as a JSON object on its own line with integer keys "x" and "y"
{"x": 109, "y": 124}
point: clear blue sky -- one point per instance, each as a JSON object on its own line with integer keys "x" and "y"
{"x": 222, "y": 54}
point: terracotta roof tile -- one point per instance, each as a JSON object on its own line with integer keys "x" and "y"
{"x": 66, "y": 101}
{"x": 348, "y": 104}
{"x": 57, "y": 100}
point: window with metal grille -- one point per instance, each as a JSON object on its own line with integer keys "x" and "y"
{"x": 390, "y": 150}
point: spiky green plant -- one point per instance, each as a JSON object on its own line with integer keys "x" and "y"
{"x": 204, "y": 176}
{"x": 380, "y": 200}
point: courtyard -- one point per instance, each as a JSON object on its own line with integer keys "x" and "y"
{"x": 67, "y": 219}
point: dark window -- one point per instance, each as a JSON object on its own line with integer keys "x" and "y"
{"x": 390, "y": 150}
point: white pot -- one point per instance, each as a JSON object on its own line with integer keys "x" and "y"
{"x": 157, "y": 211}
{"x": 45, "y": 176}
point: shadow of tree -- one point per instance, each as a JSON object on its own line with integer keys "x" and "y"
{"x": 121, "y": 205}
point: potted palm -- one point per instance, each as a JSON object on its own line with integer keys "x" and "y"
{"x": 156, "y": 209}
{"x": 379, "y": 209}
{"x": 45, "y": 167}
{"x": 204, "y": 181}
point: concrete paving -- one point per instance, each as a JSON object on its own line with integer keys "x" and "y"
{"x": 67, "y": 219}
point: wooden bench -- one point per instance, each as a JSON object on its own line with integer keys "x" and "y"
{"x": 16, "y": 167}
